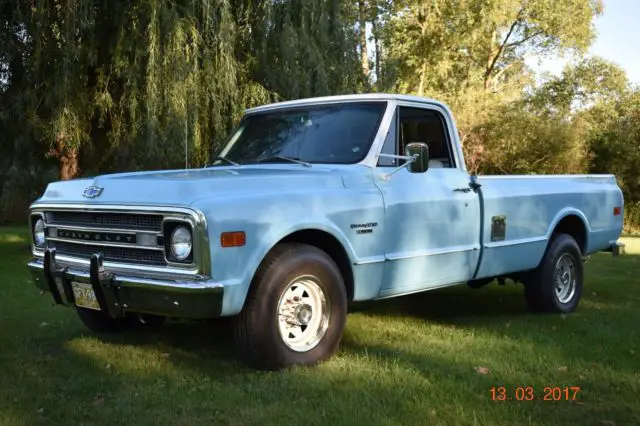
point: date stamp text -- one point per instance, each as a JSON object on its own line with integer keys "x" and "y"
{"x": 529, "y": 393}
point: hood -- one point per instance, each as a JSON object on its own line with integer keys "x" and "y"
{"x": 183, "y": 187}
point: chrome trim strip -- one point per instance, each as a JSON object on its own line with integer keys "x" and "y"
{"x": 432, "y": 252}
{"x": 202, "y": 259}
{"x": 112, "y": 208}
{"x": 128, "y": 268}
{"x": 589, "y": 176}
{"x": 96, "y": 229}
{"x": 371, "y": 159}
{"x": 132, "y": 281}
{"x": 389, "y": 293}
{"x": 193, "y": 230}
{"x": 35, "y": 249}
{"x": 517, "y": 242}
{"x": 102, "y": 244}
{"x": 323, "y": 100}
{"x": 369, "y": 260}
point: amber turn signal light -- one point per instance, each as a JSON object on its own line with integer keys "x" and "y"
{"x": 232, "y": 239}
{"x": 617, "y": 211}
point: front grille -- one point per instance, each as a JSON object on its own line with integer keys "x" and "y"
{"x": 143, "y": 222}
{"x": 111, "y": 229}
{"x": 110, "y": 254}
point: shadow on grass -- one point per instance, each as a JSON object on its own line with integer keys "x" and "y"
{"x": 451, "y": 305}
{"x": 187, "y": 372}
{"x": 68, "y": 381}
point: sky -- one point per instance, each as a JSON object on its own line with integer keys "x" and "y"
{"x": 618, "y": 40}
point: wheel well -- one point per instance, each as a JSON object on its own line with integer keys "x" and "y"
{"x": 575, "y": 227}
{"x": 330, "y": 245}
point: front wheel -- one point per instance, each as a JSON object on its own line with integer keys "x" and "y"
{"x": 295, "y": 312}
{"x": 556, "y": 285}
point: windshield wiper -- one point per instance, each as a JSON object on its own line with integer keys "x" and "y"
{"x": 220, "y": 157}
{"x": 280, "y": 157}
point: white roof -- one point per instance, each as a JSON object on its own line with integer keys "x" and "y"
{"x": 346, "y": 98}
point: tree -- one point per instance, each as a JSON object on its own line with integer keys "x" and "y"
{"x": 89, "y": 86}
{"x": 547, "y": 130}
{"x": 591, "y": 81}
{"x": 300, "y": 55}
{"x": 125, "y": 85}
{"x": 614, "y": 143}
{"x": 444, "y": 45}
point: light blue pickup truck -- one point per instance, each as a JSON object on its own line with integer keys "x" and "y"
{"x": 311, "y": 205}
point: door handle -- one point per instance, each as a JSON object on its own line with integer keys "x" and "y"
{"x": 467, "y": 189}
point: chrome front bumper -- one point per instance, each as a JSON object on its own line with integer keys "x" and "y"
{"x": 119, "y": 294}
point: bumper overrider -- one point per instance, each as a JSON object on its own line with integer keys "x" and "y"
{"x": 117, "y": 294}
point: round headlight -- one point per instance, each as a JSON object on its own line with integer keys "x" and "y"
{"x": 38, "y": 233}
{"x": 181, "y": 243}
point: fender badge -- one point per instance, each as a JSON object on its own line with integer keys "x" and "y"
{"x": 92, "y": 191}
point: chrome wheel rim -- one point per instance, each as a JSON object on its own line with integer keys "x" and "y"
{"x": 565, "y": 278}
{"x": 303, "y": 314}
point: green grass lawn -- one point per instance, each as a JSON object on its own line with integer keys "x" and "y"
{"x": 421, "y": 359}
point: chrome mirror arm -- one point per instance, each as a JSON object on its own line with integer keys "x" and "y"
{"x": 410, "y": 159}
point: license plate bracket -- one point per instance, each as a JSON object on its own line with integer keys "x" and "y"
{"x": 84, "y": 296}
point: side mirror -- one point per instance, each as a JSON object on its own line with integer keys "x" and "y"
{"x": 421, "y": 151}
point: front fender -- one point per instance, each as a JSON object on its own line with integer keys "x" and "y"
{"x": 266, "y": 221}
{"x": 318, "y": 225}
{"x": 259, "y": 253}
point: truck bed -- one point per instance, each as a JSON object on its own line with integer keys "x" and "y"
{"x": 534, "y": 205}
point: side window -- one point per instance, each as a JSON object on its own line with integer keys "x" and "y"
{"x": 390, "y": 145}
{"x": 423, "y": 125}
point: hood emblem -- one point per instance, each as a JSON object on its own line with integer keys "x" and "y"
{"x": 92, "y": 191}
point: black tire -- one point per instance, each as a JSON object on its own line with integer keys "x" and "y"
{"x": 540, "y": 284}
{"x": 256, "y": 328}
{"x": 99, "y": 322}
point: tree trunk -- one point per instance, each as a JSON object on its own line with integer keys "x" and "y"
{"x": 376, "y": 42}
{"x": 69, "y": 167}
{"x": 423, "y": 68}
{"x": 68, "y": 158}
{"x": 363, "y": 37}
{"x": 423, "y": 74}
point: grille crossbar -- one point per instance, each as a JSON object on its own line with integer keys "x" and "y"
{"x": 110, "y": 254}
{"x": 146, "y": 222}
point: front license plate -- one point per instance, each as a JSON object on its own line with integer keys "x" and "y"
{"x": 85, "y": 296}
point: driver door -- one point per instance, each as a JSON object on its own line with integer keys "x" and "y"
{"x": 432, "y": 219}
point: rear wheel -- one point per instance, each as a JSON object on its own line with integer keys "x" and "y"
{"x": 295, "y": 312}
{"x": 556, "y": 285}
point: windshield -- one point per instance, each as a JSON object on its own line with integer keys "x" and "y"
{"x": 334, "y": 133}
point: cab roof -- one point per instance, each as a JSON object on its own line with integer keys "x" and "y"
{"x": 346, "y": 98}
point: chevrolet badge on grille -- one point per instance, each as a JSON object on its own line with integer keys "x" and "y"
{"x": 92, "y": 191}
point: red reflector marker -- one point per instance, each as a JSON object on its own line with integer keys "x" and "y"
{"x": 617, "y": 211}
{"x": 232, "y": 239}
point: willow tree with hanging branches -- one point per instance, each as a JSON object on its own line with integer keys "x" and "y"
{"x": 124, "y": 85}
